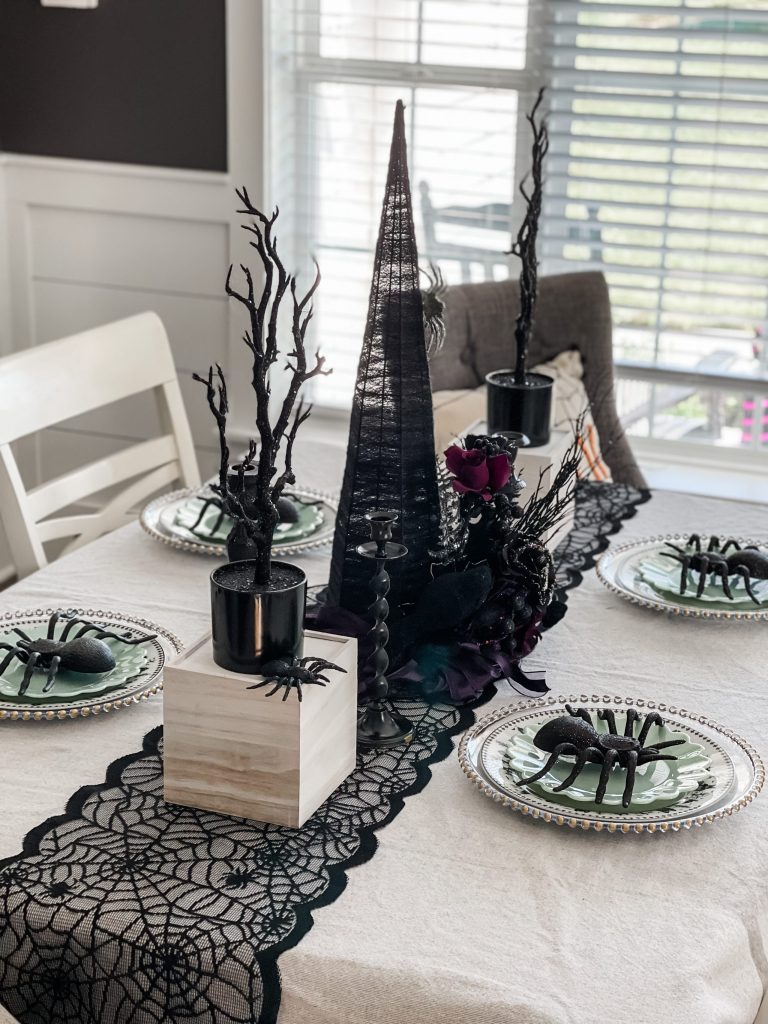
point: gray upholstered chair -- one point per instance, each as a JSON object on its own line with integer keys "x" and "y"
{"x": 573, "y": 312}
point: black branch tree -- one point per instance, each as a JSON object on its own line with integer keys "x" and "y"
{"x": 524, "y": 246}
{"x": 275, "y": 437}
{"x": 390, "y": 455}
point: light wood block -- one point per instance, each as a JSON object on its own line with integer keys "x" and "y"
{"x": 239, "y": 752}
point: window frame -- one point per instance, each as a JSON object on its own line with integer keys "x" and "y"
{"x": 313, "y": 68}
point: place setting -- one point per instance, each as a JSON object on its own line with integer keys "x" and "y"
{"x": 192, "y": 520}
{"x": 58, "y": 663}
{"x": 697, "y": 575}
{"x": 611, "y": 764}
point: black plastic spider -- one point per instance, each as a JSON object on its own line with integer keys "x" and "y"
{"x": 293, "y": 673}
{"x": 749, "y": 563}
{"x": 575, "y": 734}
{"x": 82, "y": 653}
{"x": 529, "y": 558}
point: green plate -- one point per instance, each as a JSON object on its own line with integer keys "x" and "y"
{"x": 311, "y": 519}
{"x": 657, "y": 785}
{"x": 168, "y": 519}
{"x": 664, "y": 576}
{"x": 623, "y": 569}
{"x": 138, "y": 672}
{"x": 729, "y": 782}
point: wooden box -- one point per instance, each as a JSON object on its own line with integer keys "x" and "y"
{"x": 239, "y": 752}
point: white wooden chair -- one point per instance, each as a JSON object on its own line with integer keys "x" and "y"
{"x": 43, "y": 386}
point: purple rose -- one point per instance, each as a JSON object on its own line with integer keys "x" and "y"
{"x": 475, "y": 472}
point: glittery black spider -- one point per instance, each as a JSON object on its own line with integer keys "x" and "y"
{"x": 81, "y": 653}
{"x": 206, "y": 503}
{"x": 575, "y": 734}
{"x": 287, "y": 511}
{"x": 749, "y": 563}
{"x": 293, "y": 673}
{"x": 433, "y": 303}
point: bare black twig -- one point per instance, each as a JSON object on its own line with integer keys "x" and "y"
{"x": 543, "y": 512}
{"x": 259, "y": 516}
{"x": 524, "y": 246}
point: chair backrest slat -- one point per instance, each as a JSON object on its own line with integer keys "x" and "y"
{"x": 91, "y": 525}
{"x": 43, "y": 386}
{"x": 96, "y": 476}
{"x": 50, "y": 383}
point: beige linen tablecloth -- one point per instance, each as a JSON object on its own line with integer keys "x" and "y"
{"x": 467, "y": 912}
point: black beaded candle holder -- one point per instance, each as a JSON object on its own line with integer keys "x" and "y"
{"x": 380, "y": 725}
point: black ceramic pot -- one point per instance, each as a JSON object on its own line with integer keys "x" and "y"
{"x": 253, "y": 624}
{"x": 525, "y": 408}
{"x": 239, "y": 545}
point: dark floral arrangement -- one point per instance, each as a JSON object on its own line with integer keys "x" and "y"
{"x": 493, "y": 579}
{"x": 492, "y": 597}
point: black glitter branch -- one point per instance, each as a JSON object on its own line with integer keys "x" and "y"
{"x": 218, "y": 403}
{"x": 524, "y": 246}
{"x": 544, "y": 512}
{"x": 259, "y": 516}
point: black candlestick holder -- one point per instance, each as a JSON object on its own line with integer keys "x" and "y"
{"x": 380, "y": 725}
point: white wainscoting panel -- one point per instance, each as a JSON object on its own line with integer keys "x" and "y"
{"x": 196, "y": 325}
{"x": 88, "y": 243}
{"x": 128, "y": 250}
{"x": 5, "y": 273}
{"x": 92, "y": 243}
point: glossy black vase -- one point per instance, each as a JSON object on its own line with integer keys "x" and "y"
{"x": 525, "y": 408}
{"x": 252, "y": 624}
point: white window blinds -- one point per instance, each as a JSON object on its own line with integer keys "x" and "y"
{"x": 463, "y": 69}
{"x": 658, "y": 172}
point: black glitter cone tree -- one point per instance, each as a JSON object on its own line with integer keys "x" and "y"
{"x": 390, "y": 455}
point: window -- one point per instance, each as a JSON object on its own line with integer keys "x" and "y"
{"x": 656, "y": 175}
{"x": 338, "y": 68}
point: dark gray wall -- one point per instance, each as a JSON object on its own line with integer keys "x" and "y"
{"x": 133, "y": 81}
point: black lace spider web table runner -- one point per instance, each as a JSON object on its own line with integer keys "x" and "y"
{"x": 128, "y": 909}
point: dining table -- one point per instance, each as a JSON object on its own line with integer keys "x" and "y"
{"x": 436, "y": 904}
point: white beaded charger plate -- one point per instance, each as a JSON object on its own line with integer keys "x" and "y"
{"x": 624, "y": 570}
{"x": 734, "y": 777}
{"x": 137, "y": 675}
{"x": 164, "y": 519}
